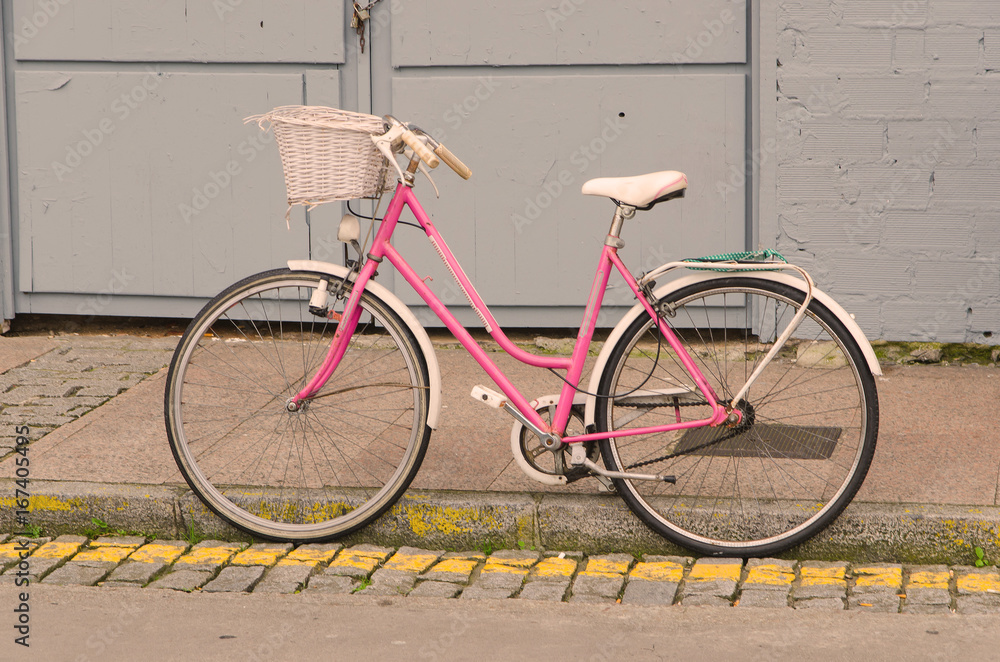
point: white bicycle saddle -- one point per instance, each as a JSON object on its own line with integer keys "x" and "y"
{"x": 641, "y": 191}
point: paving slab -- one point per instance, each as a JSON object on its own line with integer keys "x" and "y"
{"x": 136, "y": 573}
{"x": 332, "y": 584}
{"x": 235, "y": 579}
{"x": 769, "y": 598}
{"x": 978, "y": 604}
{"x": 547, "y": 591}
{"x": 926, "y": 601}
{"x": 435, "y": 589}
{"x": 600, "y": 586}
{"x": 456, "y": 570}
{"x": 183, "y": 580}
{"x": 79, "y": 574}
{"x": 885, "y": 599}
{"x": 285, "y": 578}
{"x": 387, "y": 581}
{"x": 650, "y": 592}
{"x": 509, "y": 579}
{"x": 18, "y": 351}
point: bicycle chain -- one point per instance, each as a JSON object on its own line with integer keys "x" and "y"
{"x": 671, "y": 456}
{"x": 665, "y": 309}
{"x": 737, "y": 431}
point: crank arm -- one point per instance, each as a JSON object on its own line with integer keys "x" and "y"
{"x": 621, "y": 474}
{"x": 579, "y": 459}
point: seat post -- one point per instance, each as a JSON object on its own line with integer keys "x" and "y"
{"x": 622, "y": 213}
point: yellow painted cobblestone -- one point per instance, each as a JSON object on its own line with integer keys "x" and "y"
{"x": 114, "y": 542}
{"x": 411, "y": 562}
{"x": 513, "y": 563}
{"x": 362, "y": 559}
{"x": 11, "y": 551}
{"x": 157, "y": 553}
{"x": 555, "y": 567}
{"x": 107, "y": 554}
{"x": 208, "y": 555}
{"x": 979, "y": 583}
{"x": 605, "y": 568}
{"x": 310, "y": 557}
{"x": 873, "y": 575}
{"x": 708, "y": 571}
{"x": 658, "y": 571}
{"x": 771, "y": 575}
{"x": 494, "y": 566}
{"x": 56, "y": 550}
{"x": 261, "y": 557}
{"x": 460, "y": 566}
{"x": 759, "y": 572}
{"x": 835, "y": 576}
{"x": 929, "y": 579}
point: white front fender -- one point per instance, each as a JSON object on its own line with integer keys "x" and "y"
{"x": 684, "y": 281}
{"x": 398, "y": 307}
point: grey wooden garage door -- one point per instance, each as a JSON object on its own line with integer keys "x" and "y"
{"x": 137, "y": 190}
{"x": 538, "y": 97}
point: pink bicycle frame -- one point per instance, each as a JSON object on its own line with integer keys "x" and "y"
{"x": 382, "y": 249}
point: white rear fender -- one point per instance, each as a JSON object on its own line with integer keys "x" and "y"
{"x": 409, "y": 319}
{"x": 690, "y": 279}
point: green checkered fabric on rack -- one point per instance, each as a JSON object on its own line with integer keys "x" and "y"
{"x": 748, "y": 257}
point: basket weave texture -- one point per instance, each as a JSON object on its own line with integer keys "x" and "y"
{"x": 327, "y": 154}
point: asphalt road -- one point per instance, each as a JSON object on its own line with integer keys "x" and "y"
{"x": 81, "y": 623}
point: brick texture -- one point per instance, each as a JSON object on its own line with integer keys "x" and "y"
{"x": 888, "y": 132}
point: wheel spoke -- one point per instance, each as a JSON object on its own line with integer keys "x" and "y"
{"x": 808, "y": 423}
{"x": 311, "y": 474}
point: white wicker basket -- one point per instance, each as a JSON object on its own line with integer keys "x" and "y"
{"x": 327, "y": 154}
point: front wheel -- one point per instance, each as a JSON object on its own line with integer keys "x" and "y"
{"x": 334, "y": 464}
{"x": 807, "y": 434}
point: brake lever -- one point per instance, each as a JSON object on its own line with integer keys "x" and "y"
{"x": 384, "y": 144}
{"x": 427, "y": 172}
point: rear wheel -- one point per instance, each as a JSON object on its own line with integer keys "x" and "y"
{"x": 330, "y": 467}
{"x": 804, "y": 445}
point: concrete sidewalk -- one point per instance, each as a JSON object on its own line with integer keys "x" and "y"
{"x": 99, "y": 457}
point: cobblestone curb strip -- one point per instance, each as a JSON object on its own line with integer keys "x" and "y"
{"x": 594, "y": 524}
{"x": 217, "y": 566}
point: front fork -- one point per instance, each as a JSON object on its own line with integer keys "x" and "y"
{"x": 341, "y": 338}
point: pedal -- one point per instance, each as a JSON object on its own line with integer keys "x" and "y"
{"x": 488, "y": 397}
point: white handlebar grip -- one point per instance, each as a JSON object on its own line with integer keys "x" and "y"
{"x": 453, "y": 162}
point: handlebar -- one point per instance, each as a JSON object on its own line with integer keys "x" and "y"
{"x": 418, "y": 140}
{"x": 453, "y": 162}
{"x": 420, "y": 149}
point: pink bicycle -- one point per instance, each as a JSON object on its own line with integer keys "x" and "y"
{"x": 733, "y": 407}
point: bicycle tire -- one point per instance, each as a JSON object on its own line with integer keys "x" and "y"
{"x": 325, "y": 470}
{"x": 809, "y": 431}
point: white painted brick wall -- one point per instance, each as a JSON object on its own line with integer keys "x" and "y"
{"x": 884, "y": 13}
{"x": 991, "y": 50}
{"x": 888, "y": 160}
